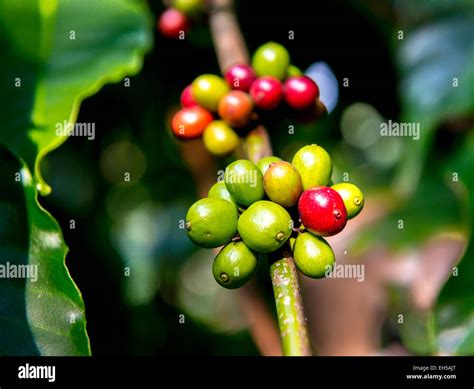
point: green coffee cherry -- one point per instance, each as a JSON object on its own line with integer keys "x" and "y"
{"x": 188, "y": 7}
{"x": 314, "y": 165}
{"x": 352, "y": 196}
{"x": 282, "y": 184}
{"x": 265, "y": 162}
{"x": 234, "y": 265}
{"x": 220, "y": 139}
{"x": 244, "y": 181}
{"x": 208, "y": 90}
{"x": 313, "y": 255}
{"x": 271, "y": 59}
{"x": 293, "y": 71}
{"x": 211, "y": 222}
{"x": 265, "y": 226}
{"x": 219, "y": 191}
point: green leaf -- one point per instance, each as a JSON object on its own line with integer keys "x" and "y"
{"x": 411, "y": 12}
{"x": 455, "y": 305}
{"x": 42, "y": 313}
{"x": 417, "y": 332}
{"x": 437, "y": 83}
{"x": 62, "y": 51}
{"x": 55, "y": 53}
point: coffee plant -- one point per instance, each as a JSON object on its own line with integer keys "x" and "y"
{"x": 170, "y": 118}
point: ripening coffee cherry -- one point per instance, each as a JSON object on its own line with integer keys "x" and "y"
{"x": 208, "y": 90}
{"x": 293, "y": 71}
{"x": 282, "y": 184}
{"x": 300, "y": 92}
{"x": 313, "y": 256}
{"x": 189, "y": 123}
{"x": 266, "y": 92}
{"x": 311, "y": 114}
{"x": 219, "y": 138}
{"x": 219, "y": 190}
{"x": 265, "y": 163}
{"x": 188, "y": 7}
{"x": 211, "y": 222}
{"x": 322, "y": 211}
{"x": 236, "y": 108}
{"x": 244, "y": 181}
{"x": 314, "y": 165}
{"x": 319, "y": 110}
{"x": 187, "y": 99}
{"x": 240, "y": 77}
{"x": 234, "y": 265}
{"x": 271, "y": 59}
{"x": 172, "y": 22}
{"x": 265, "y": 226}
{"x": 352, "y": 196}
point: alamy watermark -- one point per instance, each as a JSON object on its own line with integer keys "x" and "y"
{"x": 400, "y": 129}
{"x": 33, "y": 372}
{"x": 11, "y": 270}
{"x": 355, "y": 271}
{"x": 248, "y": 177}
{"x": 76, "y": 129}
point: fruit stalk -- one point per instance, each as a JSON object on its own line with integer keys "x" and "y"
{"x": 289, "y": 305}
{"x": 231, "y": 49}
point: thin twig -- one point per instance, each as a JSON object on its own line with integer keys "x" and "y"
{"x": 201, "y": 165}
{"x": 261, "y": 323}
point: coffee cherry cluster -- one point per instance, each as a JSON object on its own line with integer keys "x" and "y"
{"x": 222, "y": 109}
{"x": 175, "y": 20}
{"x": 257, "y": 208}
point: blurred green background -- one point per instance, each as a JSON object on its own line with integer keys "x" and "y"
{"x": 427, "y": 78}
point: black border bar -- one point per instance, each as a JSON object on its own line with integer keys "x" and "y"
{"x": 225, "y": 372}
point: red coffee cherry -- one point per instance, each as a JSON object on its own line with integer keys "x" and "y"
{"x": 187, "y": 99}
{"x": 172, "y": 22}
{"x": 236, "y": 108}
{"x": 189, "y": 123}
{"x": 240, "y": 77}
{"x": 322, "y": 211}
{"x": 266, "y": 92}
{"x": 300, "y": 92}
